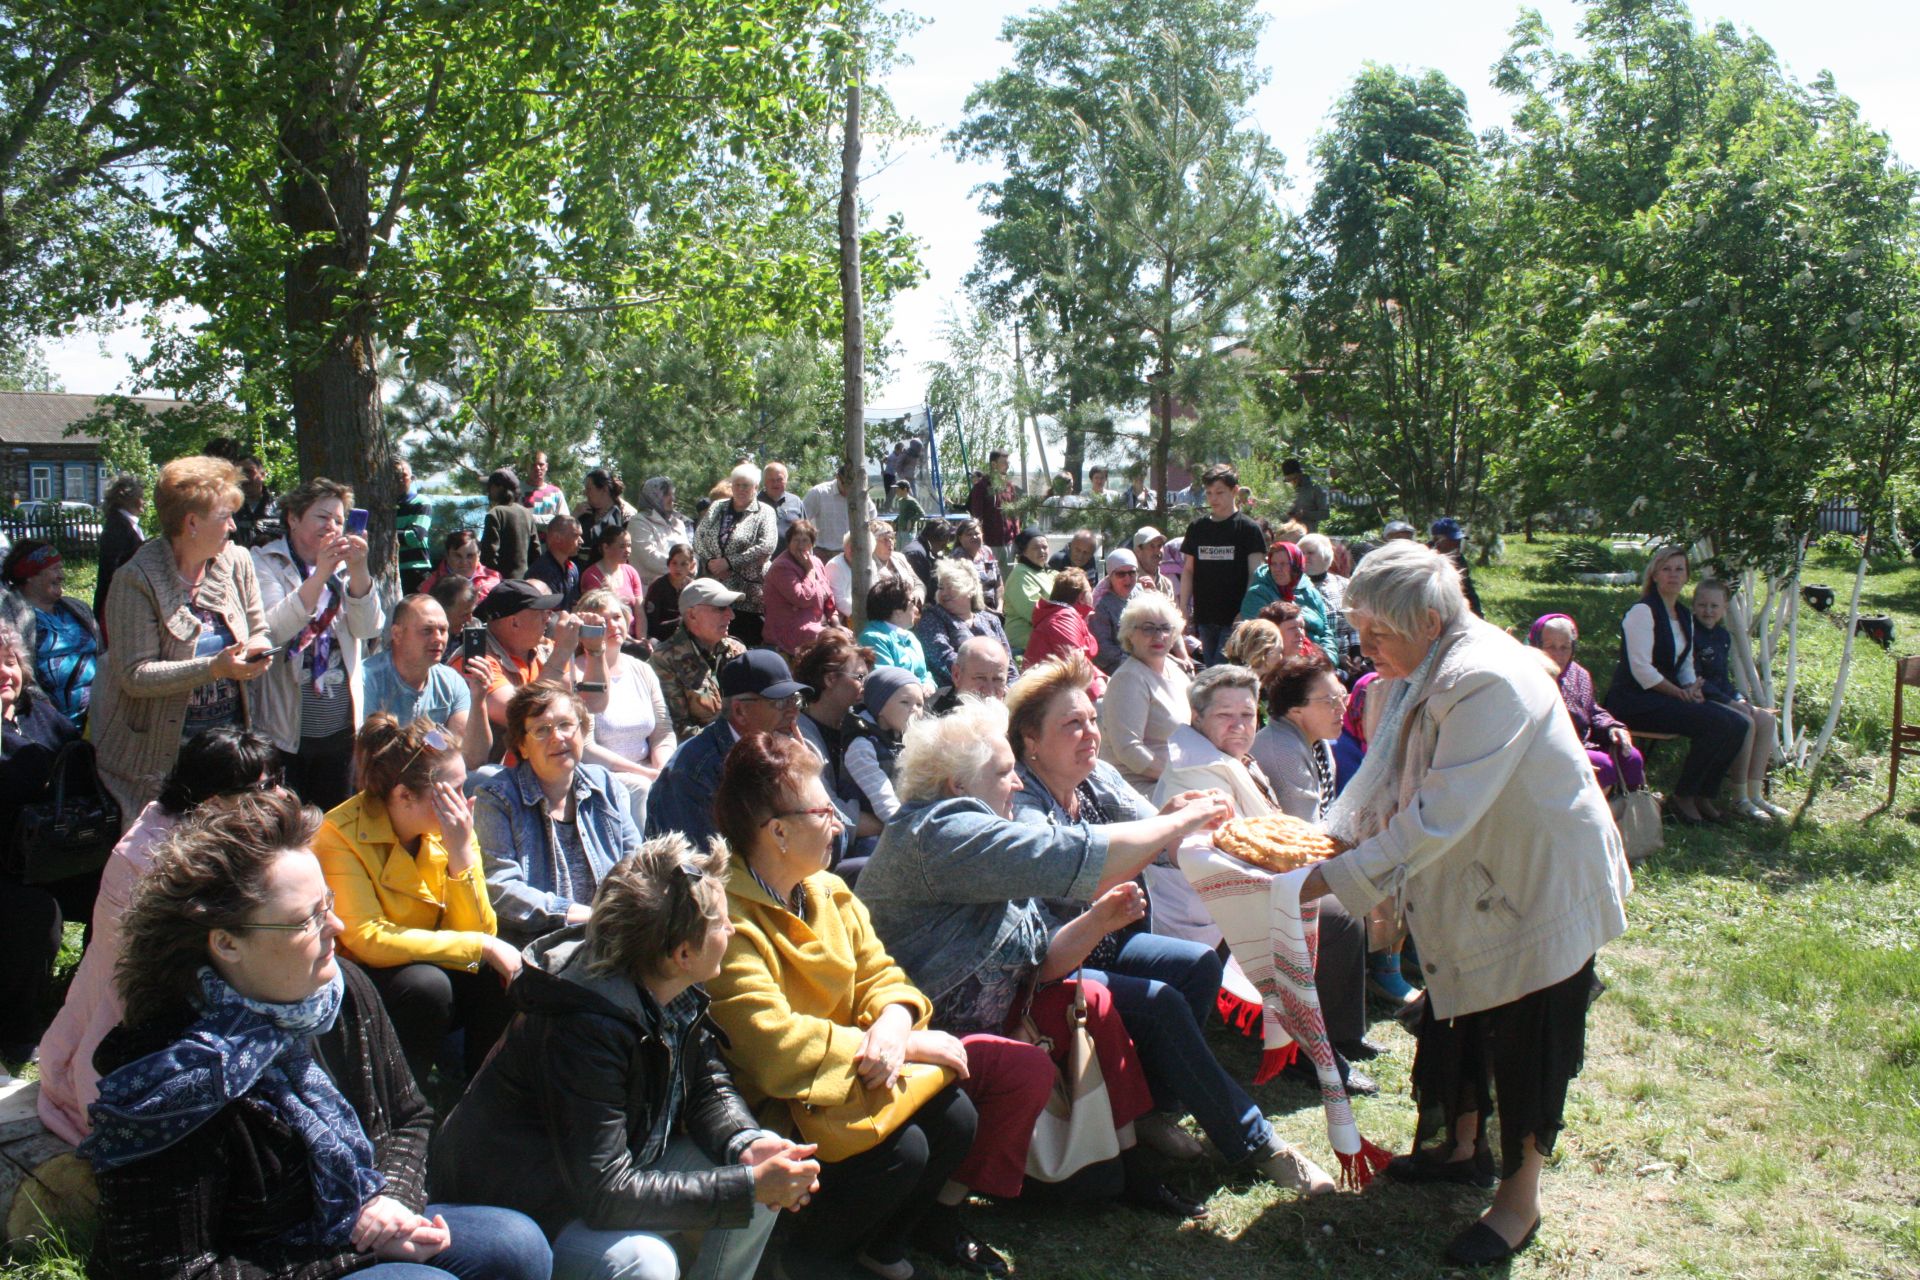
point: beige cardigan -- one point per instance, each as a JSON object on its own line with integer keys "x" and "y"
{"x": 1138, "y": 714}
{"x": 140, "y": 693}
{"x": 1501, "y": 849}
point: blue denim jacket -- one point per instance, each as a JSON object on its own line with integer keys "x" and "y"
{"x": 951, "y": 879}
{"x": 517, "y": 845}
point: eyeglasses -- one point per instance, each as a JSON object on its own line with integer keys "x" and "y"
{"x": 789, "y": 703}
{"x": 1337, "y": 699}
{"x": 856, "y": 674}
{"x": 435, "y": 741}
{"x": 818, "y": 811}
{"x": 554, "y": 729}
{"x": 1154, "y": 629}
{"x": 302, "y": 927}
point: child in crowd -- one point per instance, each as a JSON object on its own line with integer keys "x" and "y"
{"x": 892, "y": 699}
{"x": 1712, "y": 648}
{"x": 662, "y": 604}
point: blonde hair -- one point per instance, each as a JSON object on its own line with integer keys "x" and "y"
{"x": 1291, "y": 531}
{"x": 194, "y": 487}
{"x": 952, "y": 574}
{"x": 603, "y": 600}
{"x": 1253, "y": 644}
{"x": 1660, "y": 557}
{"x": 955, "y": 748}
{"x": 1035, "y": 690}
{"x": 1145, "y": 607}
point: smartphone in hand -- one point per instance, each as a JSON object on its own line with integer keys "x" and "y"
{"x": 357, "y": 522}
{"x": 473, "y": 643}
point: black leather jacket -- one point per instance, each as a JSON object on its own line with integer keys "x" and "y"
{"x": 569, "y": 1116}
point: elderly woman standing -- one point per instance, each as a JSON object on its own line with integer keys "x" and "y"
{"x": 957, "y": 613}
{"x": 1476, "y": 812}
{"x": 799, "y": 604}
{"x": 1147, "y": 698}
{"x": 657, "y": 529}
{"x": 120, "y": 534}
{"x": 1655, "y": 688}
{"x": 1028, "y": 582}
{"x": 1164, "y": 985}
{"x": 188, "y": 634}
{"x": 734, "y": 543}
{"x": 321, "y": 611}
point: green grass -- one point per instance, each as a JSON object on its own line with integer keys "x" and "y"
{"x": 1750, "y": 1106}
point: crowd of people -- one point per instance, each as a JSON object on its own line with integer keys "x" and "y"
{"x": 696, "y": 905}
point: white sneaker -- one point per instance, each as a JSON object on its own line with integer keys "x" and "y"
{"x": 1288, "y": 1167}
{"x": 1751, "y": 810}
{"x": 1164, "y": 1135}
{"x": 1773, "y": 808}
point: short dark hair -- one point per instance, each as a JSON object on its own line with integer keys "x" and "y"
{"x": 452, "y": 589}
{"x": 831, "y": 650}
{"x": 888, "y": 596}
{"x": 1280, "y": 612}
{"x": 123, "y": 492}
{"x": 1292, "y": 679}
{"x": 537, "y": 699}
{"x": 308, "y": 492}
{"x": 455, "y": 540}
{"x": 504, "y": 480}
{"x": 222, "y": 761}
{"x": 1220, "y": 473}
{"x": 388, "y": 754}
{"x": 1291, "y": 467}
{"x": 806, "y": 529}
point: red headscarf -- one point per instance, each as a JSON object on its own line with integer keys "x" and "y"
{"x": 1296, "y": 558}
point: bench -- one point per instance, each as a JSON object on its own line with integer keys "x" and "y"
{"x": 43, "y": 1182}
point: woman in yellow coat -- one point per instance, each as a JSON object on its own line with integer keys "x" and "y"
{"x": 817, "y": 1012}
{"x": 404, "y": 869}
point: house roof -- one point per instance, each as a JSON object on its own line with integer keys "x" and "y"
{"x": 42, "y": 417}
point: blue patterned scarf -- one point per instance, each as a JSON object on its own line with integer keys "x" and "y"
{"x": 238, "y": 1048}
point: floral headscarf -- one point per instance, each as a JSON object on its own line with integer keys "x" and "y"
{"x": 653, "y": 495}
{"x": 1354, "y": 721}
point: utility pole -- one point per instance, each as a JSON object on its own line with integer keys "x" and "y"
{"x": 1020, "y": 407}
{"x": 853, "y": 343}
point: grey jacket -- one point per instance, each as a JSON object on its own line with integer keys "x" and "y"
{"x": 951, "y": 879}
{"x": 1501, "y": 849}
{"x": 1285, "y": 758}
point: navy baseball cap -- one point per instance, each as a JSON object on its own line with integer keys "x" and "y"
{"x": 761, "y": 672}
{"x": 1447, "y": 527}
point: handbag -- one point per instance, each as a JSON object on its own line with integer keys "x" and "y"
{"x": 72, "y": 830}
{"x": 1075, "y": 1131}
{"x": 1637, "y": 814}
{"x": 868, "y": 1116}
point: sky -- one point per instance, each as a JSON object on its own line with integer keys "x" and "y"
{"x": 1313, "y": 49}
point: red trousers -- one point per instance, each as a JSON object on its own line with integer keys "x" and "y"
{"x": 1010, "y": 1081}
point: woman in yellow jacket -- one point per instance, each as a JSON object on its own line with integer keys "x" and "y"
{"x": 817, "y": 1014}
{"x": 405, "y": 872}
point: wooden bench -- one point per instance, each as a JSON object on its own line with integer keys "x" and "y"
{"x": 43, "y": 1182}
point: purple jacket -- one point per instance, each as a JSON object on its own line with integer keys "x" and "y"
{"x": 1593, "y": 722}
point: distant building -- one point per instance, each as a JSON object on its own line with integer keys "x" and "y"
{"x": 39, "y": 461}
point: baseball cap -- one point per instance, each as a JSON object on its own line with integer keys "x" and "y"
{"x": 516, "y": 595}
{"x": 1397, "y": 529}
{"x": 757, "y": 671}
{"x": 1144, "y": 534}
{"x": 1447, "y": 527}
{"x": 708, "y": 591}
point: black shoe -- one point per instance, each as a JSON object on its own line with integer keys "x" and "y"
{"x": 1158, "y": 1197}
{"x": 943, "y": 1237}
{"x": 1481, "y": 1246}
{"x": 1419, "y": 1170}
{"x": 1358, "y": 1050}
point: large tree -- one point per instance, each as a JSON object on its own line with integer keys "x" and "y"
{"x": 1109, "y": 94}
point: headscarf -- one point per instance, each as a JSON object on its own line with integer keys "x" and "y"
{"x": 653, "y": 496}
{"x": 1538, "y": 630}
{"x": 241, "y": 1048}
{"x": 1353, "y": 722}
{"x": 1297, "y": 559}
{"x": 1172, "y": 558}
{"x": 35, "y": 562}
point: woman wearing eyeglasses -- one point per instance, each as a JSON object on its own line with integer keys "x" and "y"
{"x": 1110, "y": 599}
{"x": 606, "y": 1113}
{"x": 1147, "y": 698}
{"x": 256, "y": 1117}
{"x": 405, "y": 872}
{"x": 213, "y": 769}
{"x": 551, "y": 826}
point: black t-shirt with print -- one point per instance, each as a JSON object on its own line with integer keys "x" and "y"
{"x": 1220, "y": 549}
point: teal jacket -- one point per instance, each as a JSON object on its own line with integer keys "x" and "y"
{"x": 897, "y": 647}
{"x": 1313, "y": 607}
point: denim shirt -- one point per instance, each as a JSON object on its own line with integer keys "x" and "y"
{"x": 951, "y": 880}
{"x": 517, "y": 845}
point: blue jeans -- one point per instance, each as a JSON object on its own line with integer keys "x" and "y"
{"x": 1164, "y": 988}
{"x": 488, "y": 1243}
{"x": 581, "y": 1252}
{"x": 1213, "y": 641}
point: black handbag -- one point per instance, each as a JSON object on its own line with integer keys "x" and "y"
{"x": 73, "y": 829}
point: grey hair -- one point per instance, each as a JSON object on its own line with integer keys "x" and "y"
{"x": 953, "y": 750}
{"x": 1401, "y": 581}
{"x": 1216, "y": 679}
{"x": 951, "y": 574}
{"x": 1318, "y": 549}
{"x": 1560, "y": 627}
{"x": 746, "y": 471}
{"x": 1145, "y": 607}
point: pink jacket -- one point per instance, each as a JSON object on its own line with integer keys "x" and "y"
{"x": 798, "y": 603}
{"x": 68, "y": 1081}
{"x": 1058, "y": 629}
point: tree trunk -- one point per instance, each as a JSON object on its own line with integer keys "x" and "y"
{"x": 1839, "y": 689}
{"x": 853, "y": 344}
{"x": 324, "y": 203}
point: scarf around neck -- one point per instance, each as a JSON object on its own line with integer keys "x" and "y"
{"x": 241, "y": 1048}
{"x": 1363, "y": 809}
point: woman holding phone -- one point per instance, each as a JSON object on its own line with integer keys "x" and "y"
{"x": 189, "y": 634}
{"x": 321, "y": 609}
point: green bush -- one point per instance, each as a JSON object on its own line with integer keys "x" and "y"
{"x": 1585, "y": 555}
